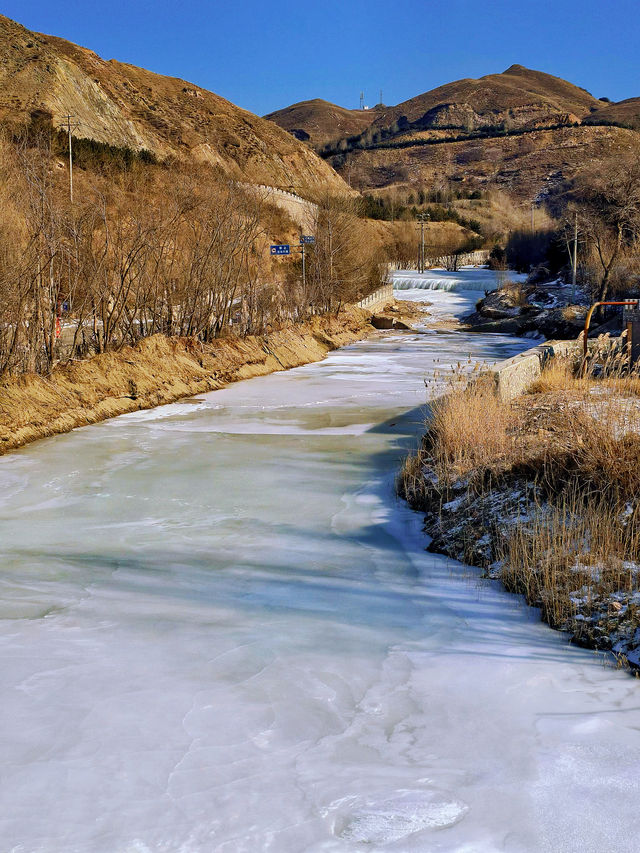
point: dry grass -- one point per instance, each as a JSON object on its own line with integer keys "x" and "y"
{"x": 590, "y": 417}
{"x": 469, "y": 430}
{"x": 558, "y": 375}
{"x": 572, "y": 446}
{"x": 596, "y": 446}
{"x": 412, "y": 480}
{"x": 577, "y": 555}
{"x": 568, "y": 430}
{"x": 571, "y": 555}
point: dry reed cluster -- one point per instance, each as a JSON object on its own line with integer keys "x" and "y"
{"x": 571, "y": 447}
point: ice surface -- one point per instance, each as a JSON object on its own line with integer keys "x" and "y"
{"x": 221, "y": 633}
{"x": 400, "y": 815}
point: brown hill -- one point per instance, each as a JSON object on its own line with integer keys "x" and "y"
{"x": 318, "y": 122}
{"x": 528, "y": 166}
{"x": 127, "y": 106}
{"x": 522, "y": 131}
{"x": 624, "y": 112}
{"x": 519, "y": 97}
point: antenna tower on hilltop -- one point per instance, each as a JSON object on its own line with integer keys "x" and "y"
{"x": 361, "y": 100}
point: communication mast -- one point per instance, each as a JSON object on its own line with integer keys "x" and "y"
{"x": 361, "y": 100}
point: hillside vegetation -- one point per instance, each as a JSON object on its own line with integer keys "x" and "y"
{"x": 529, "y": 166}
{"x": 125, "y": 106}
{"x": 519, "y": 96}
{"x": 626, "y": 113}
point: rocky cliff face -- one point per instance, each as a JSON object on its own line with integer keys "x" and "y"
{"x": 127, "y": 106}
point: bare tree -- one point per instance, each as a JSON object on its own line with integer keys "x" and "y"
{"x": 342, "y": 264}
{"x": 608, "y": 201}
{"x": 174, "y": 250}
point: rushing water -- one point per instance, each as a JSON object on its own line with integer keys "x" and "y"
{"x": 473, "y": 279}
{"x": 221, "y": 632}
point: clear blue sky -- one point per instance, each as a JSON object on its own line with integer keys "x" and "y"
{"x": 263, "y": 56}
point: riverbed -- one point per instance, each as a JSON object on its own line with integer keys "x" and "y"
{"x": 221, "y": 632}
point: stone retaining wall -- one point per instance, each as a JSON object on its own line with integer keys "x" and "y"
{"x": 514, "y": 375}
{"x": 304, "y": 213}
{"x": 380, "y": 296}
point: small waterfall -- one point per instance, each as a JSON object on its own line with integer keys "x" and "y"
{"x": 473, "y": 278}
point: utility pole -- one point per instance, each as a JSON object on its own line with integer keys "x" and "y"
{"x": 305, "y": 240}
{"x": 69, "y": 128}
{"x": 574, "y": 265}
{"x": 422, "y": 218}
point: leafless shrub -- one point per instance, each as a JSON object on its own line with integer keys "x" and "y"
{"x": 169, "y": 249}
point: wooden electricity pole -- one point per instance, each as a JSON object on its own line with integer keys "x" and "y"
{"x": 574, "y": 265}
{"x": 69, "y": 127}
{"x": 422, "y": 217}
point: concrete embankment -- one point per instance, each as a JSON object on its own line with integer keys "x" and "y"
{"x": 514, "y": 375}
{"x": 160, "y": 370}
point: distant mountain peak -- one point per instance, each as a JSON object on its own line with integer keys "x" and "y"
{"x": 516, "y": 69}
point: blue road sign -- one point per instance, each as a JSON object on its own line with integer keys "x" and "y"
{"x": 281, "y": 249}
{"x": 307, "y": 238}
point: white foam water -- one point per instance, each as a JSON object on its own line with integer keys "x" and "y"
{"x": 478, "y": 279}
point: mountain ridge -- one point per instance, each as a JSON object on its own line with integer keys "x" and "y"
{"x": 123, "y": 105}
{"x": 518, "y": 97}
{"x": 522, "y": 130}
{"x": 519, "y": 94}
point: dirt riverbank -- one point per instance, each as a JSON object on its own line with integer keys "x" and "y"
{"x": 160, "y": 370}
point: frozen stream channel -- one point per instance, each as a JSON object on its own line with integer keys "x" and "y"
{"x": 221, "y": 632}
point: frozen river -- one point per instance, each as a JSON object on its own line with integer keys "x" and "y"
{"x": 221, "y": 632}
